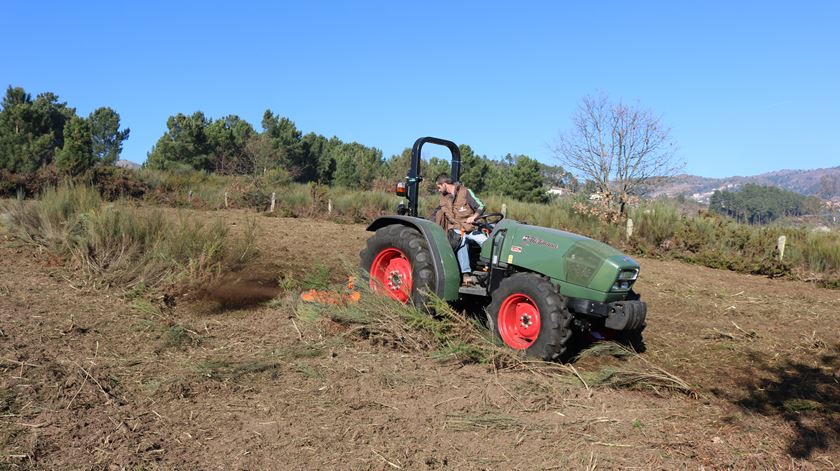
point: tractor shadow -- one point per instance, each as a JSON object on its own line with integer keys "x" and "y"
{"x": 807, "y": 396}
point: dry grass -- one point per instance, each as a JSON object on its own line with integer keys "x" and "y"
{"x": 125, "y": 246}
{"x": 634, "y": 372}
{"x": 484, "y": 421}
{"x": 226, "y": 368}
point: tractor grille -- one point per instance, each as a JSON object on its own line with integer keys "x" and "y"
{"x": 581, "y": 265}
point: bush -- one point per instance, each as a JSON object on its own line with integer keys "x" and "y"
{"x": 655, "y": 224}
{"x": 114, "y": 183}
{"x": 820, "y": 252}
{"x": 28, "y": 184}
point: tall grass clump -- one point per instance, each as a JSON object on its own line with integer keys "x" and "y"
{"x": 296, "y": 200}
{"x": 820, "y": 252}
{"x": 182, "y": 186}
{"x": 52, "y": 221}
{"x": 655, "y": 224}
{"x": 362, "y": 206}
{"x": 126, "y": 246}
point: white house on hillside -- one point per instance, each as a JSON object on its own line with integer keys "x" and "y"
{"x": 558, "y": 191}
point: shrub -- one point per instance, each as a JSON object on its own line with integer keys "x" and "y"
{"x": 114, "y": 183}
{"x": 656, "y": 223}
{"x": 820, "y": 252}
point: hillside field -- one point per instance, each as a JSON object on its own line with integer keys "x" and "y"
{"x": 94, "y": 377}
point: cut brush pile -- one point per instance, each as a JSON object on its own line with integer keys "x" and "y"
{"x": 452, "y": 336}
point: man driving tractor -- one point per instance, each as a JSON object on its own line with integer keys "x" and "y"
{"x": 457, "y": 211}
{"x": 540, "y": 288}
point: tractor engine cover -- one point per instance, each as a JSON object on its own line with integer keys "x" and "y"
{"x": 626, "y": 315}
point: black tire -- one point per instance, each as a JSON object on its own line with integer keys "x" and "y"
{"x": 411, "y": 243}
{"x": 555, "y": 331}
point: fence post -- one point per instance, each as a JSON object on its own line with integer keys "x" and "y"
{"x": 273, "y": 195}
{"x": 780, "y": 246}
{"x": 329, "y": 206}
{"x": 629, "y": 228}
{"x": 504, "y": 209}
{"x": 226, "y": 200}
{"x": 189, "y": 197}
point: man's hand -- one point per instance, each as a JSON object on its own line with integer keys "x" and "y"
{"x": 472, "y": 218}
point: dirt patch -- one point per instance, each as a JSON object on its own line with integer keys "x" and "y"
{"x": 90, "y": 379}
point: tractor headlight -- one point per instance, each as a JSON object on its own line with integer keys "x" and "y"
{"x": 625, "y": 280}
{"x": 621, "y": 285}
{"x": 628, "y": 275}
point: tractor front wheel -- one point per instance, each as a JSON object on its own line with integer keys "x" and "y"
{"x": 528, "y": 313}
{"x": 399, "y": 262}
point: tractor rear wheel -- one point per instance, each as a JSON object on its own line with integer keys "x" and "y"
{"x": 528, "y": 313}
{"x": 399, "y": 263}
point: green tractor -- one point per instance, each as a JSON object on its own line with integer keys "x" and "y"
{"x": 543, "y": 290}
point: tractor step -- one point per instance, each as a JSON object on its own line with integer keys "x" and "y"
{"x": 473, "y": 290}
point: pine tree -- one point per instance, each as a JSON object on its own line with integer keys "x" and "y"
{"x": 106, "y": 136}
{"x": 31, "y": 131}
{"x": 76, "y": 155}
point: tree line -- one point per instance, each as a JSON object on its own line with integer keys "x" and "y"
{"x": 232, "y": 146}
{"x": 757, "y": 204}
{"x": 44, "y": 131}
{"x": 41, "y": 132}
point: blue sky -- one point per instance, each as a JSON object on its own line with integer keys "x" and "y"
{"x": 746, "y": 87}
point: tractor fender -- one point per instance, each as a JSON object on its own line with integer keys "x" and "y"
{"x": 447, "y": 273}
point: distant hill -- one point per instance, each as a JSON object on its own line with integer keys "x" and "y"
{"x": 806, "y": 182}
{"x": 127, "y": 164}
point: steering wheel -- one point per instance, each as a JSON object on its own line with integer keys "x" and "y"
{"x": 487, "y": 221}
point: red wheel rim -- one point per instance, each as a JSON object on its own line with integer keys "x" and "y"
{"x": 390, "y": 274}
{"x": 519, "y": 321}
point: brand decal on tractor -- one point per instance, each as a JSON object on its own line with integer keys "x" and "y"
{"x": 534, "y": 240}
{"x": 515, "y": 249}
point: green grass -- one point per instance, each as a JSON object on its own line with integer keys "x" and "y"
{"x": 802, "y": 405}
{"x": 320, "y": 277}
{"x": 145, "y": 306}
{"x": 179, "y": 337}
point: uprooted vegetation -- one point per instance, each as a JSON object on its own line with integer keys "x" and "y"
{"x": 456, "y": 337}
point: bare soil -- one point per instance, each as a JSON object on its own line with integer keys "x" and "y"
{"x": 93, "y": 377}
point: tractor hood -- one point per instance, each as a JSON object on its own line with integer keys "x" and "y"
{"x": 566, "y": 257}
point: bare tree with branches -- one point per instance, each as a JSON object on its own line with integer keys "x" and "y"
{"x": 621, "y": 148}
